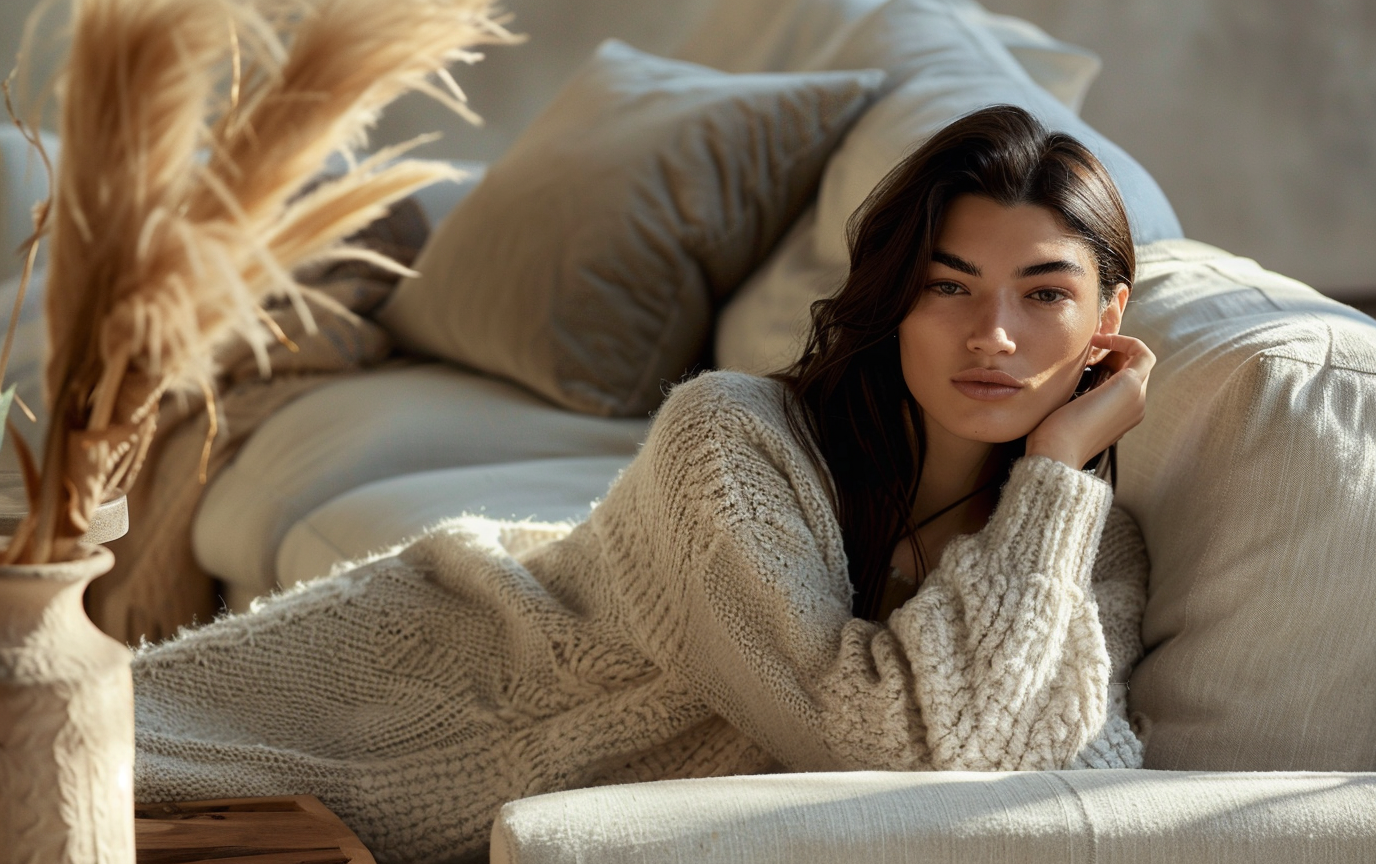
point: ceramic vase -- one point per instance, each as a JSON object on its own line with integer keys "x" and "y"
{"x": 66, "y": 720}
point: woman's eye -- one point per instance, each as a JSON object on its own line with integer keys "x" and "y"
{"x": 946, "y": 289}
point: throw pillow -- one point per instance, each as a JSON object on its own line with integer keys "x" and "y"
{"x": 954, "y": 67}
{"x": 789, "y": 36}
{"x": 1253, "y": 478}
{"x": 587, "y": 263}
{"x": 766, "y": 324}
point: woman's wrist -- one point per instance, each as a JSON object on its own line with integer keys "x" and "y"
{"x": 1054, "y": 450}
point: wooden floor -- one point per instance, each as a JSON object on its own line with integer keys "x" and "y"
{"x": 288, "y": 830}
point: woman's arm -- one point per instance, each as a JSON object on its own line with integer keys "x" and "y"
{"x": 1119, "y": 582}
{"x": 729, "y": 565}
{"x": 1004, "y": 638}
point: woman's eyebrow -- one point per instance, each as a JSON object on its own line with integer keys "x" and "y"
{"x": 1051, "y": 267}
{"x": 955, "y": 262}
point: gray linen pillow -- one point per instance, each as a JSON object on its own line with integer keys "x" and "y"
{"x": 587, "y": 263}
{"x": 1253, "y": 478}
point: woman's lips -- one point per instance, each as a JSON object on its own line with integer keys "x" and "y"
{"x": 985, "y": 392}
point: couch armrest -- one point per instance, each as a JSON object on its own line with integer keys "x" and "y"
{"x": 1123, "y": 816}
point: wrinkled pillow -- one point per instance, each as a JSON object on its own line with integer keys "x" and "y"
{"x": 1253, "y": 478}
{"x": 795, "y": 35}
{"x": 766, "y": 324}
{"x": 587, "y": 263}
{"x": 955, "y": 68}
{"x": 951, "y": 65}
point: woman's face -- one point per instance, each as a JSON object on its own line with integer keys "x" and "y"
{"x": 1009, "y": 291}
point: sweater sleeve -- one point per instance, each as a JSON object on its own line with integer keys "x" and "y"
{"x": 1119, "y": 582}
{"x": 1005, "y": 641}
{"x": 730, "y": 566}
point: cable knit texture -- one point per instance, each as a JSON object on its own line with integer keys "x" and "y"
{"x": 697, "y": 624}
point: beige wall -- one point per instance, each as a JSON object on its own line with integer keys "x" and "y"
{"x": 562, "y": 33}
{"x": 1258, "y": 117}
{"x": 12, "y": 17}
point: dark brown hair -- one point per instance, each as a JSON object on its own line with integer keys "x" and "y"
{"x": 863, "y": 422}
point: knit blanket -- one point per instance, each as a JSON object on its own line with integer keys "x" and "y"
{"x": 697, "y": 624}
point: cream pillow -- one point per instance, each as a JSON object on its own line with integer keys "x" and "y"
{"x": 386, "y": 512}
{"x": 956, "y": 68}
{"x": 777, "y": 36}
{"x": 1253, "y": 478}
{"x": 789, "y": 36}
{"x": 364, "y": 428}
{"x": 587, "y": 263}
{"x": 953, "y": 66}
{"x": 764, "y": 327}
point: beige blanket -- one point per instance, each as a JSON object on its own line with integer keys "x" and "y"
{"x": 156, "y": 585}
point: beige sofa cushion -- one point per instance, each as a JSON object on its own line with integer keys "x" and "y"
{"x": 1062, "y": 817}
{"x": 955, "y": 68}
{"x": 791, "y": 35}
{"x": 364, "y": 428}
{"x": 381, "y": 514}
{"x": 587, "y": 263}
{"x": 1253, "y": 478}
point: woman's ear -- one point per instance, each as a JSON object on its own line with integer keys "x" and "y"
{"x": 1111, "y": 318}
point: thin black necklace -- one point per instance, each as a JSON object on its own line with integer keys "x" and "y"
{"x": 949, "y": 507}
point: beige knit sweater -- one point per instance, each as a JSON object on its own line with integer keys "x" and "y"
{"x": 697, "y": 624}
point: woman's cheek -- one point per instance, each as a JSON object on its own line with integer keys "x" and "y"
{"x": 1056, "y": 389}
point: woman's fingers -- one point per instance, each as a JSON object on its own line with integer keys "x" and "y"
{"x": 1077, "y": 430}
{"x": 1125, "y": 352}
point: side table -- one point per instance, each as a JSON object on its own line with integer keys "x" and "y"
{"x": 109, "y": 522}
{"x": 295, "y": 829}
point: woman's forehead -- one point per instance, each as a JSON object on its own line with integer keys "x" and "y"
{"x": 980, "y": 234}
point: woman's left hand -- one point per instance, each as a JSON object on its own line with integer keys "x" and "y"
{"x": 1085, "y": 426}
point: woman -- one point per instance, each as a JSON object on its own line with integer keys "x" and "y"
{"x": 700, "y": 621}
{"x": 906, "y": 379}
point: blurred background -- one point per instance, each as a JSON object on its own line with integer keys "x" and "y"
{"x": 1257, "y": 117}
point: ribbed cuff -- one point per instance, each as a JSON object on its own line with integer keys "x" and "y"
{"x": 1049, "y": 516}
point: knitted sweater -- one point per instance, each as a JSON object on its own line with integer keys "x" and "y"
{"x": 698, "y": 623}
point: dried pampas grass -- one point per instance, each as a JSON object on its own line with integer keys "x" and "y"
{"x": 189, "y": 130}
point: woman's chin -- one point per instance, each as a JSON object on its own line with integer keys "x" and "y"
{"x": 994, "y": 431}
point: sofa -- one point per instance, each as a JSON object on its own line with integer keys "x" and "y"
{"x": 532, "y": 369}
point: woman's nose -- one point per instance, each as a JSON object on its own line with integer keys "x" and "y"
{"x": 989, "y": 333}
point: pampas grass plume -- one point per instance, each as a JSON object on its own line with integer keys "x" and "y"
{"x": 189, "y": 130}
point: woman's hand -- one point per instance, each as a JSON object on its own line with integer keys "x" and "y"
{"x": 1085, "y": 426}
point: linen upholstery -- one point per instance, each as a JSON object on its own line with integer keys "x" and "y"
{"x": 368, "y": 427}
{"x": 954, "y": 68}
{"x": 765, "y": 326}
{"x": 1253, "y": 477}
{"x": 1053, "y": 817}
{"x": 384, "y": 513}
{"x": 586, "y": 264}
{"x": 948, "y": 65}
{"x": 788, "y": 36}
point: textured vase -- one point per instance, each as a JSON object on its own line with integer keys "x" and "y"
{"x": 66, "y": 721}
